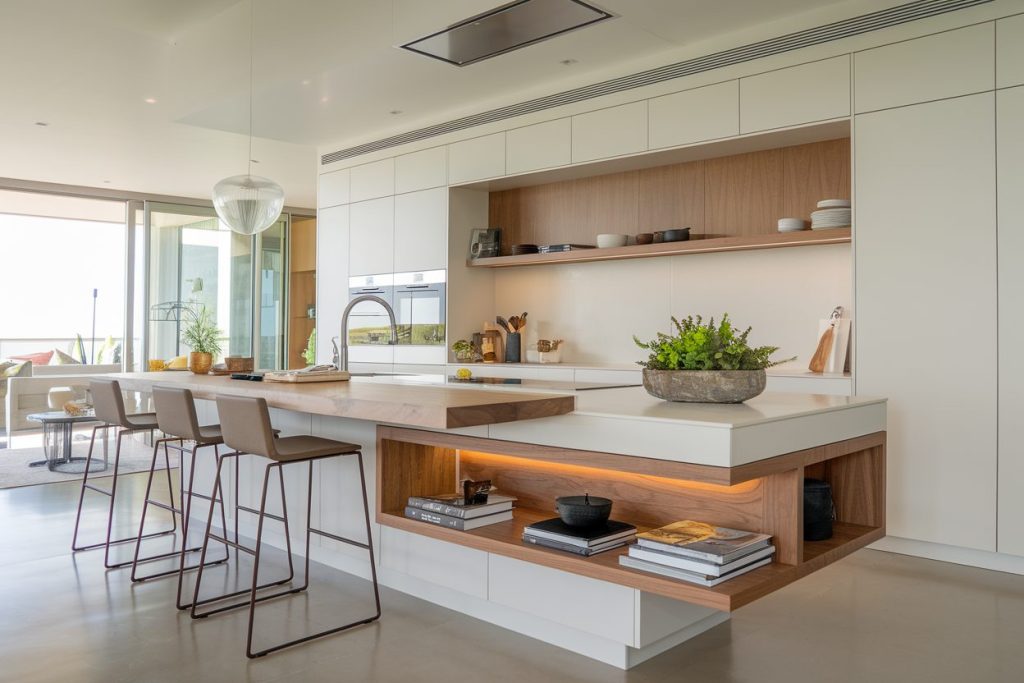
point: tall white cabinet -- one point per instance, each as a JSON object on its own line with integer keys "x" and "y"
{"x": 926, "y": 302}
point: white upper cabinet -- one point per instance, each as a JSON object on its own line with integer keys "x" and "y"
{"x": 333, "y": 188}
{"x": 1010, "y": 180}
{"x": 421, "y": 170}
{"x": 332, "y": 238}
{"x": 372, "y": 244}
{"x": 610, "y": 132}
{"x": 931, "y": 68}
{"x": 816, "y": 91}
{"x": 421, "y": 230}
{"x": 544, "y": 145}
{"x": 689, "y": 116}
{"x": 1010, "y": 51}
{"x": 476, "y": 159}
{"x": 926, "y": 295}
{"x": 370, "y": 181}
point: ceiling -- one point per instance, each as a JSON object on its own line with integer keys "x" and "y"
{"x": 326, "y": 72}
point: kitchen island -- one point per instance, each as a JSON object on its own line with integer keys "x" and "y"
{"x": 741, "y": 466}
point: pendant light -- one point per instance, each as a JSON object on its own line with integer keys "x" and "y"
{"x": 248, "y": 204}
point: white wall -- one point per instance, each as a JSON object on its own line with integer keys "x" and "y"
{"x": 597, "y": 307}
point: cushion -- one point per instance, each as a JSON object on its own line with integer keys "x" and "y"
{"x": 61, "y": 358}
{"x": 13, "y": 369}
{"x": 41, "y": 358}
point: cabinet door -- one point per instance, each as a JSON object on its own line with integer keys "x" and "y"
{"x": 934, "y": 67}
{"x": 925, "y": 240}
{"x": 373, "y": 237}
{"x": 1010, "y": 179}
{"x": 421, "y": 230}
{"x": 694, "y": 115}
{"x": 610, "y": 132}
{"x": 1010, "y": 51}
{"x": 799, "y": 94}
{"x": 476, "y": 159}
{"x": 332, "y": 253}
{"x": 373, "y": 180}
{"x": 333, "y": 188}
{"x": 544, "y": 145}
{"x": 421, "y": 170}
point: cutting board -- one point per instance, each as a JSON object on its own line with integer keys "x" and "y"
{"x": 306, "y": 377}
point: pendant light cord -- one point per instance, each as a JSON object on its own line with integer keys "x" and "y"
{"x": 252, "y": 22}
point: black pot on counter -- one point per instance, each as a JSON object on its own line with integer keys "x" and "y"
{"x": 819, "y": 510}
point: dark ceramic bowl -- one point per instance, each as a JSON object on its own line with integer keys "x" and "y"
{"x": 659, "y": 236}
{"x": 583, "y": 511}
{"x": 645, "y": 238}
{"x": 677, "y": 235}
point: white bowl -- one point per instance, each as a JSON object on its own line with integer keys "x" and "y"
{"x": 834, "y": 204}
{"x": 607, "y": 240}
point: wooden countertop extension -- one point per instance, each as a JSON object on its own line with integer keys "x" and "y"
{"x": 435, "y": 407}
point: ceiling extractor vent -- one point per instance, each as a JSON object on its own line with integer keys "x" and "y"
{"x": 865, "y": 23}
{"x": 506, "y": 28}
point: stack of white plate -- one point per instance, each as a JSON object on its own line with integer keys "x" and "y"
{"x": 831, "y": 213}
{"x": 791, "y": 224}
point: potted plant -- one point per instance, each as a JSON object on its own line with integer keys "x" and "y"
{"x": 309, "y": 353}
{"x": 705, "y": 363}
{"x": 463, "y": 351}
{"x": 201, "y": 336}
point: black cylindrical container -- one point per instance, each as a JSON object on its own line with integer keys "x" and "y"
{"x": 819, "y": 510}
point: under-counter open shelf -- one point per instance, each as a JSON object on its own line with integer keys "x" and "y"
{"x": 694, "y": 246}
{"x": 765, "y": 496}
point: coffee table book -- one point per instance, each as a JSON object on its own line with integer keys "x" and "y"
{"x": 703, "y": 541}
{"x": 699, "y": 566}
{"x": 586, "y": 537}
{"x": 456, "y": 523}
{"x": 451, "y": 505}
{"x": 575, "y": 549}
{"x": 683, "y": 575}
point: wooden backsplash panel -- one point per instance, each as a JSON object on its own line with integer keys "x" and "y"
{"x": 744, "y": 194}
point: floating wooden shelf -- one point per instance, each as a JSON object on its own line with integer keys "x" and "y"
{"x": 693, "y": 246}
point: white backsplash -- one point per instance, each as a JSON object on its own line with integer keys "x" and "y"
{"x": 597, "y": 307}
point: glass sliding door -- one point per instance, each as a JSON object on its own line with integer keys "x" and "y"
{"x": 271, "y": 247}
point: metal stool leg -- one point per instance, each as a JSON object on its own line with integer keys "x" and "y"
{"x": 85, "y": 480}
{"x": 214, "y": 500}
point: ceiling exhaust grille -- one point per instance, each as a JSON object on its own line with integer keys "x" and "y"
{"x": 793, "y": 41}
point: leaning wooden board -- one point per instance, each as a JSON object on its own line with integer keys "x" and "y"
{"x": 434, "y": 407}
{"x": 307, "y": 378}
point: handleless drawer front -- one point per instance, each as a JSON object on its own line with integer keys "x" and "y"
{"x": 476, "y": 159}
{"x": 931, "y": 68}
{"x": 544, "y": 145}
{"x": 1010, "y": 51}
{"x": 421, "y": 170}
{"x": 332, "y": 253}
{"x": 333, "y": 189}
{"x": 610, "y": 132}
{"x": 372, "y": 244}
{"x": 421, "y": 229}
{"x": 816, "y": 91}
{"x": 370, "y": 181}
{"x": 689, "y": 116}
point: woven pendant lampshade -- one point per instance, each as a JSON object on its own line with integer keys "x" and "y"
{"x": 248, "y": 204}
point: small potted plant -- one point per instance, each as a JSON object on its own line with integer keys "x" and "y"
{"x": 309, "y": 353}
{"x": 201, "y": 336}
{"x": 705, "y": 363}
{"x": 463, "y": 351}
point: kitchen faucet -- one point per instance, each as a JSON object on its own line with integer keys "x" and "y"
{"x": 342, "y": 363}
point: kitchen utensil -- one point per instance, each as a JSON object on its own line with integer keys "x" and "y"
{"x": 504, "y": 324}
{"x": 609, "y": 240}
{"x": 583, "y": 511}
{"x": 645, "y": 238}
{"x": 676, "y": 235}
{"x": 513, "y": 323}
{"x": 821, "y": 354}
{"x": 522, "y": 321}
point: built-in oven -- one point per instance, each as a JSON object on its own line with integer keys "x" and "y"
{"x": 368, "y": 322}
{"x": 420, "y": 308}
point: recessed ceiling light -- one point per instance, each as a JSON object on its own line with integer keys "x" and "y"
{"x": 107, "y": 182}
{"x": 568, "y": 62}
{"x": 255, "y": 161}
{"x": 306, "y": 82}
{"x": 42, "y": 123}
{"x": 324, "y": 98}
{"x": 150, "y": 100}
{"x": 395, "y": 112}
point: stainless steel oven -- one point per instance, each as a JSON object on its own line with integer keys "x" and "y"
{"x": 368, "y": 321}
{"x": 419, "y": 303}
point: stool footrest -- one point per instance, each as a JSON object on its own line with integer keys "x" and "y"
{"x": 340, "y": 539}
{"x": 98, "y": 489}
{"x": 246, "y": 603}
{"x": 164, "y": 506}
{"x": 130, "y": 539}
{"x": 277, "y": 518}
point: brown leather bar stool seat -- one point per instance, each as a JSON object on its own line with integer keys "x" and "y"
{"x": 247, "y": 430}
{"x": 108, "y": 404}
{"x": 177, "y": 419}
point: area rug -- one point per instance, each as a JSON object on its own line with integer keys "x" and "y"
{"x": 136, "y": 456}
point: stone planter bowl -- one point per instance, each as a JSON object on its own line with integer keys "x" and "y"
{"x": 704, "y": 386}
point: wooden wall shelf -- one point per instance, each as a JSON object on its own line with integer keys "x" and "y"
{"x": 414, "y": 462}
{"x": 704, "y": 245}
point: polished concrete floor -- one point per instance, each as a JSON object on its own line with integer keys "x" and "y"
{"x": 873, "y": 617}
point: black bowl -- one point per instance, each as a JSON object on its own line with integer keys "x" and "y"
{"x": 677, "y": 235}
{"x": 583, "y": 511}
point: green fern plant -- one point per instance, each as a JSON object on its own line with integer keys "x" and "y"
{"x": 309, "y": 353}
{"x": 700, "y": 346}
{"x": 201, "y": 335}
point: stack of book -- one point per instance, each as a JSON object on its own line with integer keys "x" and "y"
{"x": 558, "y": 248}
{"x": 556, "y": 534}
{"x": 450, "y": 510}
{"x": 698, "y": 552}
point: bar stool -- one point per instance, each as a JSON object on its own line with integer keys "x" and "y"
{"x": 246, "y": 426}
{"x": 108, "y": 404}
{"x": 177, "y": 419}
